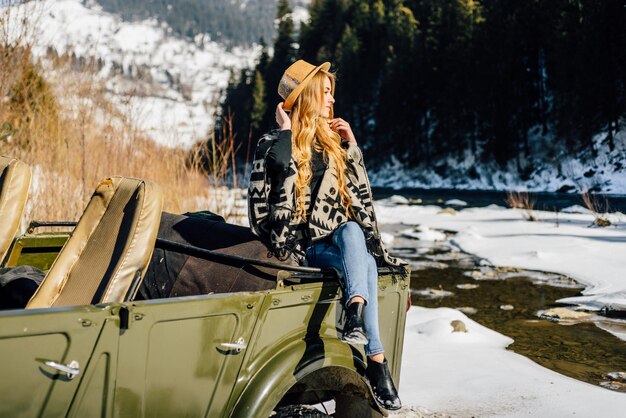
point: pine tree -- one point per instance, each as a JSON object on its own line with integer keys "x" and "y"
{"x": 399, "y": 96}
{"x": 258, "y": 104}
{"x": 238, "y": 106}
{"x": 284, "y": 55}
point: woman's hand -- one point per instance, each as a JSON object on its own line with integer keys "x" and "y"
{"x": 343, "y": 129}
{"x": 282, "y": 118}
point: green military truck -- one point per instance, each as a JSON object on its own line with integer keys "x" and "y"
{"x": 267, "y": 351}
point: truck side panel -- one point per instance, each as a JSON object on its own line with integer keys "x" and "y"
{"x": 62, "y": 335}
{"x": 171, "y": 358}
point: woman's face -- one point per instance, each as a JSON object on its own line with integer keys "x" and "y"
{"x": 327, "y": 99}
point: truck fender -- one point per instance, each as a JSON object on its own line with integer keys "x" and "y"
{"x": 271, "y": 383}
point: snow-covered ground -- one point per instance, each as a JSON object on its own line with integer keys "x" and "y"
{"x": 469, "y": 374}
{"x": 169, "y": 86}
{"x": 561, "y": 243}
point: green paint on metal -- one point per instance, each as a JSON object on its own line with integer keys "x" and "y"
{"x": 176, "y": 356}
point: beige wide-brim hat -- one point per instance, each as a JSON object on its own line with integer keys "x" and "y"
{"x": 295, "y": 79}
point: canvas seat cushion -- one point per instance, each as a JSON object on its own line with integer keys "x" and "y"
{"x": 109, "y": 248}
{"x": 15, "y": 177}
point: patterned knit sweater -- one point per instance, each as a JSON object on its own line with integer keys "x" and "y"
{"x": 287, "y": 235}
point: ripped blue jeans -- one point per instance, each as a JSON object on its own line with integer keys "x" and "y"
{"x": 348, "y": 253}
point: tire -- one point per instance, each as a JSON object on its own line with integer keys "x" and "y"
{"x": 298, "y": 411}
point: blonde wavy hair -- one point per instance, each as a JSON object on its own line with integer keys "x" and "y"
{"x": 310, "y": 130}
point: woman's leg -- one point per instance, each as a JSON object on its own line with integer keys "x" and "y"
{"x": 350, "y": 241}
{"x": 374, "y": 348}
{"x": 349, "y": 255}
{"x": 345, "y": 253}
{"x": 361, "y": 278}
{"x": 354, "y": 274}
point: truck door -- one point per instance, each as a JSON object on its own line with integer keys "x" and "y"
{"x": 181, "y": 357}
{"x": 37, "y": 349}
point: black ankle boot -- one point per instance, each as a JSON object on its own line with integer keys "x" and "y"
{"x": 354, "y": 330}
{"x": 384, "y": 390}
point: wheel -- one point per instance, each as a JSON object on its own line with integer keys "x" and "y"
{"x": 298, "y": 411}
{"x": 18, "y": 285}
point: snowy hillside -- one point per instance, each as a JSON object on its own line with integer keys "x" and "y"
{"x": 169, "y": 85}
{"x": 227, "y": 21}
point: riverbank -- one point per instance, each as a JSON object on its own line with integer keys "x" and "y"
{"x": 471, "y": 373}
{"x": 598, "y": 169}
{"x": 566, "y": 243}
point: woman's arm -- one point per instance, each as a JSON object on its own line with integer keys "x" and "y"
{"x": 279, "y": 154}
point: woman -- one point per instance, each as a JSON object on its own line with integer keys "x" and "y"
{"x": 310, "y": 200}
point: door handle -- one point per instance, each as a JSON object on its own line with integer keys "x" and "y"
{"x": 238, "y": 345}
{"x": 72, "y": 369}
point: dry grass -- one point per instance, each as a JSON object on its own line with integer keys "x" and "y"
{"x": 598, "y": 207}
{"x": 524, "y": 201}
{"x": 64, "y": 127}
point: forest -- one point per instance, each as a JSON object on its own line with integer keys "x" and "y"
{"x": 426, "y": 80}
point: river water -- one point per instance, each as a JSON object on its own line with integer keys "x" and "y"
{"x": 518, "y": 304}
{"x": 480, "y": 198}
